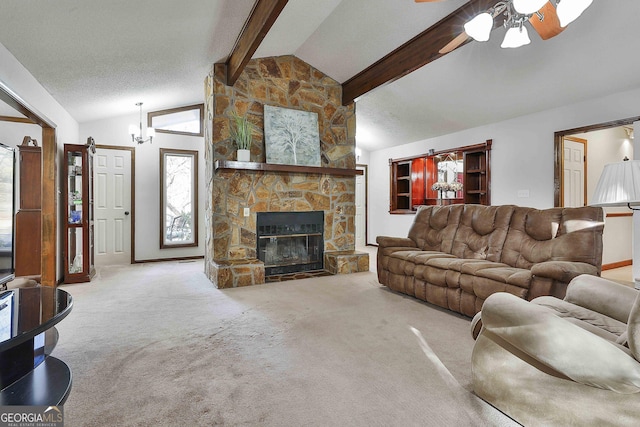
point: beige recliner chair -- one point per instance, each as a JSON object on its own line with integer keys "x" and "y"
{"x": 565, "y": 362}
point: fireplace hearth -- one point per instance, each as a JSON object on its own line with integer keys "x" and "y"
{"x": 290, "y": 242}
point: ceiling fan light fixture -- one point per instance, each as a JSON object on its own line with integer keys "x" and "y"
{"x": 515, "y": 37}
{"x": 479, "y": 28}
{"x": 527, "y": 7}
{"x": 569, "y": 10}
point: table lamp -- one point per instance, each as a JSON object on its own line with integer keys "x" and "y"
{"x": 619, "y": 185}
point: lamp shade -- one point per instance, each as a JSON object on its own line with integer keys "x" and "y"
{"x": 527, "y": 7}
{"x": 569, "y": 10}
{"x": 619, "y": 185}
{"x": 479, "y": 28}
{"x": 516, "y": 37}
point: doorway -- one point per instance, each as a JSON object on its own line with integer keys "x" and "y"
{"x": 607, "y": 143}
{"x": 114, "y": 205}
{"x": 361, "y": 207}
{"x": 49, "y": 204}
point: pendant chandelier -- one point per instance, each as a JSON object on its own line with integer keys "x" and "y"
{"x": 136, "y": 131}
{"x": 516, "y": 13}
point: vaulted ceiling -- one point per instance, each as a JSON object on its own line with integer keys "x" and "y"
{"x": 98, "y": 58}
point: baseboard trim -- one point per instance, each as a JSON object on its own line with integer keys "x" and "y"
{"x": 617, "y": 264}
{"x": 186, "y": 258}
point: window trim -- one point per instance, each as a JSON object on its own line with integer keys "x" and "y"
{"x": 200, "y": 107}
{"x": 194, "y": 209}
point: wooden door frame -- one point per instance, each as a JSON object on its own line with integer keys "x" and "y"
{"x": 557, "y": 149}
{"x": 584, "y": 172}
{"x": 49, "y": 241}
{"x": 132, "y": 208}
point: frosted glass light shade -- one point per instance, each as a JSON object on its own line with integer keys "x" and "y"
{"x": 619, "y": 185}
{"x": 527, "y": 7}
{"x": 569, "y": 10}
{"x": 516, "y": 37}
{"x": 134, "y": 130}
{"x": 479, "y": 28}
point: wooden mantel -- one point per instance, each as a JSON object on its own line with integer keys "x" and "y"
{"x": 271, "y": 167}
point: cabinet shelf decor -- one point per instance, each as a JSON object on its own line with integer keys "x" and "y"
{"x": 457, "y": 175}
{"x": 78, "y": 229}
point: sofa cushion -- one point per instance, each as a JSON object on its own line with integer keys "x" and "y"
{"x": 468, "y": 266}
{"x": 434, "y": 227}
{"x": 510, "y": 275}
{"x": 404, "y": 262}
{"x": 593, "y": 321}
{"x": 482, "y": 232}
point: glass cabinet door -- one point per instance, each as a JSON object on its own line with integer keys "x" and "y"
{"x": 74, "y": 250}
{"x": 78, "y": 245}
{"x": 74, "y": 208}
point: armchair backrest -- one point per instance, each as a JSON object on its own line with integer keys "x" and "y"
{"x": 633, "y": 329}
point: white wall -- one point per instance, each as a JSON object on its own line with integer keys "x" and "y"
{"x": 522, "y": 156}
{"x": 113, "y": 131}
{"x": 21, "y": 82}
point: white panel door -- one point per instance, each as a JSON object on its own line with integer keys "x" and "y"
{"x": 573, "y": 172}
{"x": 361, "y": 207}
{"x": 112, "y": 206}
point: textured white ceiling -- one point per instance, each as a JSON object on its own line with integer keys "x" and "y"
{"x": 98, "y": 58}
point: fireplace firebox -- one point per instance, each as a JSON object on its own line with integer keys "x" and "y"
{"x": 290, "y": 242}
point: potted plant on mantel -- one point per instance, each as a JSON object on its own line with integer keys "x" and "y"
{"x": 242, "y": 133}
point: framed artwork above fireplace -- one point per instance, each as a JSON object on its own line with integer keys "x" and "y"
{"x": 291, "y": 136}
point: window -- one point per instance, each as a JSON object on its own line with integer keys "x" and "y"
{"x": 182, "y": 121}
{"x": 178, "y": 198}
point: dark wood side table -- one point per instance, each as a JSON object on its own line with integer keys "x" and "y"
{"x": 28, "y": 374}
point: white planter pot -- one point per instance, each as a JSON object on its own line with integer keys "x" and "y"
{"x": 244, "y": 155}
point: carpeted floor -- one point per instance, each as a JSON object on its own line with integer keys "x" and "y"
{"x": 158, "y": 345}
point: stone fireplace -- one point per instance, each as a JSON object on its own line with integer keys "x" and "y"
{"x": 237, "y": 191}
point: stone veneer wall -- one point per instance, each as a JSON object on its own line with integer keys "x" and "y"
{"x": 289, "y": 82}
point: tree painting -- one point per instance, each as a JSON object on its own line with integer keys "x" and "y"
{"x": 291, "y": 136}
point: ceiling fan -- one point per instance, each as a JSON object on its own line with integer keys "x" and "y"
{"x": 545, "y": 18}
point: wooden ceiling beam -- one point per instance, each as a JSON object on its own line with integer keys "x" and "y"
{"x": 261, "y": 18}
{"x": 417, "y": 52}
{"x": 16, "y": 119}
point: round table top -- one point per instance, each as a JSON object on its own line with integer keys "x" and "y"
{"x": 27, "y": 312}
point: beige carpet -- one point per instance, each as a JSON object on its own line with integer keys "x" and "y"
{"x": 158, "y": 345}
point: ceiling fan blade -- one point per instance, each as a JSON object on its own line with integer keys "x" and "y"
{"x": 455, "y": 43}
{"x": 550, "y": 25}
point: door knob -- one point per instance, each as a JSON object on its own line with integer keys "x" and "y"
{"x": 126, "y": 212}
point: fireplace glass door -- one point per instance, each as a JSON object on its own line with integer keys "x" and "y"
{"x": 290, "y": 242}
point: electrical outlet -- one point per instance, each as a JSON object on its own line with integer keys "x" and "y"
{"x": 523, "y": 193}
{"x": 247, "y": 212}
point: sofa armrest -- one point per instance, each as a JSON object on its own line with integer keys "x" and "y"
{"x": 558, "y": 344}
{"x": 562, "y": 271}
{"x": 386, "y": 242}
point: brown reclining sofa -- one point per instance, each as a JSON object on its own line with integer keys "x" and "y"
{"x": 456, "y": 256}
